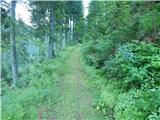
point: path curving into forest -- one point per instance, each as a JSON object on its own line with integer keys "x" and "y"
{"x": 76, "y": 101}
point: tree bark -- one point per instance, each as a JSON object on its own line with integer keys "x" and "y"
{"x": 70, "y": 27}
{"x": 51, "y": 36}
{"x": 62, "y": 35}
{"x": 66, "y": 30}
{"x": 73, "y": 29}
{"x": 13, "y": 45}
{"x": 63, "y": 40}
{"x": 66, "y": 35}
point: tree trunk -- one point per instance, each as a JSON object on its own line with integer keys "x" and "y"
{"x": 70, "y": 27}
{"x": 62, "y": 35}
{"x": 73, "y": 30}
{"x": 66, "y": 35}
{"x": 63, "y": 40}
{"x": 13, "y": 46}
{"x": 51, "y": 36}
{"x": 66, "y": 30}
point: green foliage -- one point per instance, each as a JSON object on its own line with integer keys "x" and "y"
{"x": 122, "y": 43}
{"x": 155, "y": 115}
{"x": 115, "y": 103}
{"x": 107, "y": 100}
{"x": 136, "y": 65}
{"x": 96, "y": 52}
{"x": 38, "y": 88}
{"x": 137, "y": 104}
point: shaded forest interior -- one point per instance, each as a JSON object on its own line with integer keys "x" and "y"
{"x": 63, "y": 66}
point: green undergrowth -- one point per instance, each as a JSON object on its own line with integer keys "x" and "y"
{"x": 115, "y": 104}
{"x": 127, "y": 86}
{"x": 39, "y": 94}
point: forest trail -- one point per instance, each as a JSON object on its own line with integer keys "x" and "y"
{"x": 76, "y": 101}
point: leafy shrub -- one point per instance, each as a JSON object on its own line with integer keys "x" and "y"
{"x": 136, "y": 104}
{"x": 136, "y": 65}
{"x": 155, "y": 115}
{"x": 107, "y": 100}
{"x": 130, "y": 89}
{"x": 98, "y": 51}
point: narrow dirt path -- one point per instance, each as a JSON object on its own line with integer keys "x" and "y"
{"x": 76, "y": 101}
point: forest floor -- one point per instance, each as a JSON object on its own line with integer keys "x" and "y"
{"x": 76, "y": 100}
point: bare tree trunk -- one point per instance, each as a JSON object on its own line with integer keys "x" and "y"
{"x": 62, "y": 35}
{"x": 73, "y": 29}
{"x": 67, "y": 30}
{"x": 63, "y": 40}
{"x": 13, "y": 45}
{"x": 70, "y": 27}
{"x": 51, "y": 36}
{"x": 66, "y": 35}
